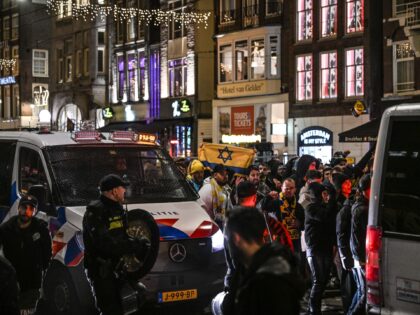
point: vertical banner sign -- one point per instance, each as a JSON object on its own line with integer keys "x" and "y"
{"x": 242, "y": 120}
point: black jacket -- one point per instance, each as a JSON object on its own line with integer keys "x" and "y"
{"x": 343, "y": 229}
{"x": 271, "y": 285}
{"x": 359, "y": 220}
{"x": 8, "y": 289}
{"x": 319, "y": 228}
{"x": 104, "y": 233}
{"x": 28, "y": 250}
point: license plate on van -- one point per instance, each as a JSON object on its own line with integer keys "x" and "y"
{"x": 173, "y": 296}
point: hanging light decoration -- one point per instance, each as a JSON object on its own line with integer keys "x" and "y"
{"x": 7, "y": 64}
{"x": 89, "y": 12}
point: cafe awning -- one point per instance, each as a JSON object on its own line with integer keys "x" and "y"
{"x": 367, "y": 132}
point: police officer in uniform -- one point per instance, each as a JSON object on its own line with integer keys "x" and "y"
{"x": 106, "y": 242}
{"x": 27, "y": 245}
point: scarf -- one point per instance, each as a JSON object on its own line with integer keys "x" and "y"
{"x": 219, "y": 200}
{"x": 287, "y": 215}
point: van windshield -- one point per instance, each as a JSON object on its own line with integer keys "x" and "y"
{"x": 151, "y": 173}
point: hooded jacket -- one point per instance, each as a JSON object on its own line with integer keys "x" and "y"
{"x": 301, "y": 169}
{"x": 319, "y": 223}
{"x": 270, "y": 285}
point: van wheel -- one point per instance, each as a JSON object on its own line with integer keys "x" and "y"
{"x": 60, "y": 293}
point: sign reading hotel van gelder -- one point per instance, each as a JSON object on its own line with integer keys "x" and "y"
{"x": 7, "y": 80}
{"x": 242, "y": 120}
{"x": 315, "y": 136}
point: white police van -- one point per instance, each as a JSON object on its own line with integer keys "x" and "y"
{"x": 393, "y": 235}
{"x": 190, "y": 261}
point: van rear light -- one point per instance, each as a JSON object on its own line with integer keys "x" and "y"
{"x": 373, "y": 248}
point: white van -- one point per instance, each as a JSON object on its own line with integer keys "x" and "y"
{"x": 190, "y": 262}
{"x": 393, "y": 235}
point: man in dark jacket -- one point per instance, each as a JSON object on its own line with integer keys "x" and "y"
{"x": 106, "y": 242}
{"x": 266, "y": 280}
{"x": 27, "y": 245}
{"x": 342, "y": 185}
{"x": 319, "y": 237}
{"x": 8, "y": 289}
{"x": 359, "y": 222}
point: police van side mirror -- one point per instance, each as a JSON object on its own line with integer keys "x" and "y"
{"x": 40, "y": 193}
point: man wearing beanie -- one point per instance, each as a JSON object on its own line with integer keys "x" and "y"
{"x": 196, "y": 174}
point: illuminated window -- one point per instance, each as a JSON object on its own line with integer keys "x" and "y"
{"x": 121, "y": 77}
{"x": 403, "y": 67}
{"x": 241, "y": 60}
{"x": 226, "y": 63}
{"x": 354, "y": 72}
{"x": 142, "y": 69}
{"x": 60, "y": 66}
{"x": 355, "y": 16}
{"x": 227, "y": 11}
{"x": 177, "y": 77}
{"x": 133, "y": 83}
{"x": 15, "y": 55}
{"x": 329, "y": 75}
{"x": 328, "y": 18}
{"x": 304, "y": 19}
{"x": 257, "y": 59}
{"x": 274, "y": 56}
{"x": 39, "y": 63}
{"x": 304, "y": 77}
{"x": 64, "y": 9}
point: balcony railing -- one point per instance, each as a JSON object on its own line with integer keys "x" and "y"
{"x": 227, "y": 16}
{"x": 409, "y": 10}
{"x": 250, "y": 15}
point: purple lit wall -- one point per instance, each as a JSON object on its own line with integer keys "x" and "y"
{"x": 154, "y": 84}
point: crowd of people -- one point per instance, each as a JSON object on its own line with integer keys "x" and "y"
{"x": 289, "y": 230}
{"x": 304, "y": 222}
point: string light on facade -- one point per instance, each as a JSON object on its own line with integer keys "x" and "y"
{"x": 88, "y": 11}
{"x": 7, "y": 64}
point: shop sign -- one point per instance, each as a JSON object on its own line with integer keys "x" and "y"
{"x": 181, "y": 106}
{"x": 242, "y": 120}
{"x": 315, "y": 136}
{"x": 107, "y": 113}
{"x": 40, "y": 95}
{"x": 241, "y": 138}
{"x": 7, "y": 80}
{"x": 248, "y": 88}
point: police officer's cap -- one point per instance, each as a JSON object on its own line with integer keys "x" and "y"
{"x": 111, "y": 181}
{"x": 28, "y": 200}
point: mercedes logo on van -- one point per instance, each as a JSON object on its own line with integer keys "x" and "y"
{"x": 177, "y": 252}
